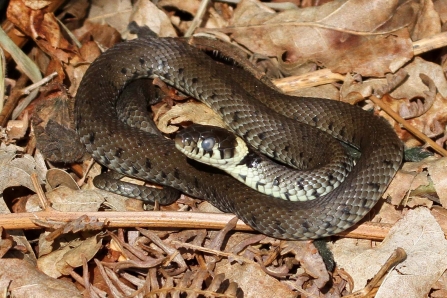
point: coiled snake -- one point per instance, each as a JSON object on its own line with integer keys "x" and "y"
{"x": 241, "y": 100}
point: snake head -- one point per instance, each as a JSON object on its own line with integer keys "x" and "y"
{"x": 207, "y": 144}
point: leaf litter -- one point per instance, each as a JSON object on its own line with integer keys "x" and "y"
{"x": 350, "y": 50}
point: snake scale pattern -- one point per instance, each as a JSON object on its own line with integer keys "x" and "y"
{"x": 262, "y": 116}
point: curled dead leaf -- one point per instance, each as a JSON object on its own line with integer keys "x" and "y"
{"x": 188, "y": 112}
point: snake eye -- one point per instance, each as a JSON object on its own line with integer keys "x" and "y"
{"x": 208, "y": 144}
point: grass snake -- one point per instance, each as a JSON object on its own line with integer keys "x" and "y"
{"x": 299, "y": 131}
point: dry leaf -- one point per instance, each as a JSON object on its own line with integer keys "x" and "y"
{"x": 188, "y": 112}
{"x": 147, "y": 13}
{"x": 310, "y": 260}
{"x": 36, "y": 5}
{"x": 25, "y": 280}
{"x": 44, "y": 29}
{"x": 74, "y": 257}
{"x": 66, "y": 199}
{"x": 324, "y": 34}
{"x": 428, "y": 23}
{"x": 58, "y": 177}
{"x": 16, "y": 129}
{"x": 441, "y": 8}
{"x": 254, "y": 282}
{"x": 414, "y": 87}
{"x": 47, "y": 263}
{"x": 422, "y": 239}
{"x": 435, "y": 168}
{"x": 16, "y": 172}
{"x": 114, "y": 13}
{"x": 318, "y": 36}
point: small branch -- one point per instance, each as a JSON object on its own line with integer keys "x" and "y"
{"x": 204, "y": 4}
{"x": 272, "y": 5}
{"x": 430, "y": 43}
{"x": 167, "y": 219}
{"x": 41, "y": 82}
{"x": 159, "y": 219}
{"x": 40, "y": 192}
{"x": 32, "y": 89}
{"x": 397, "y": 257}
{"x": 311, "y": 79}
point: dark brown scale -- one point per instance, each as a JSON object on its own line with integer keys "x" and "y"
{"x": 177, "y": 63}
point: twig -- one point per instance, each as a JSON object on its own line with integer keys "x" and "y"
{"x": 213, "y": 251}
{"x": 198, "y": 18}
{"x": 40, "y": 193}
{"x": 32, "y": 91}
{"x": 311, "y": 79}
{"x": 398, "y": 256}
{"x": 167, "y": 219}
{"x": 159, "y": 219}
{"x": 430, "y": 43}
{"x": 368, "y": 230}
{"x": 36, "y": 85}
{"x": 272, "y": 5}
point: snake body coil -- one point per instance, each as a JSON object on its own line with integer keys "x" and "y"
{"x": 234, "y": 94}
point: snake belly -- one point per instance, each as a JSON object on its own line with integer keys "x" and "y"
{"x": 150, "y": 157}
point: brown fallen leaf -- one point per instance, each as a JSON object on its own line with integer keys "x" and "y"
{"x": 6, "y": 242}
{"x": 114, "y": 13}
{"x": 434, "y": 168}
{"x": 254, "y": 281}
{"x": 310, "y": 260}
{"x": 334, "y": 35}
{"x": 146, "y": 12}
{"x": 424, "y": 242}
{"x": 187, "y": 112}
{"x": 25, "y": 280}
{"x": 43, "y": 27}
{"x": 16, "y": 172}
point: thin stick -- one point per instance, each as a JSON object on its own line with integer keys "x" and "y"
{"x": 198, "y": 17}
{"x": 167, "y": 219}
{"x": 41, "y": 82}
{"x": 40, "y": 193}
{"x": 159, "y": 219}
{"x": 397, "y": 257}
{"x": 430, "y": 43}
{"x": 33, "y": 90}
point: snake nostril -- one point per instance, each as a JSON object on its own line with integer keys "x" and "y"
{"x": 179, "y": 140}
